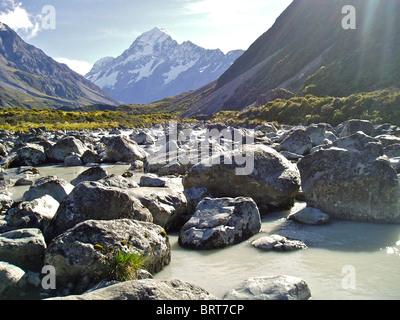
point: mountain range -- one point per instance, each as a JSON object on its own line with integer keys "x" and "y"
{"x": 156, "y": 66}
{"x": 31, "y": 79}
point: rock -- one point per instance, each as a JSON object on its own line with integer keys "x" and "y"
{"x": 388, "y": 140}
{"x": 357, "y": 183}
{"x": 121, "y": 149}
{"x": 65, "y": 147}
{"x": 271, "y": 288}
{"x": 93, "y": 200}
{"x": 392, "y": 151}
{"x": 10, "y": 278}
{"x": 31, "y": 155}
{"x": 143, "y": 138}
{"x": 57, "y": 188}
{"x": 90, "y": 157}
{"x": 318, "y": 133}
{"x": 310, "y": 216}
{"x": 137, "y": 165}
{"x": 151, "y": 180}
{"x": 73, "y": 160}
{"x": 350, "y": 127}
{"x": 82, "y": 255}
{"x": 166, "y": 205}
{"x": 118, "y": 182}
{"x": 140, "y": 290}
{"x": 273, "y": 183}
{"x": 278, "y": 243}
{"x": 92, "y": 174}
{"x": 23, "y": 248}
{"x": 34, "y": 214}
{"x": 194, "y": 196}
{"x": 221, "y": 222}
{"x": 297, "y": 142}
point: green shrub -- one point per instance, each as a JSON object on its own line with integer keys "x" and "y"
{"x": 124, "y": 266}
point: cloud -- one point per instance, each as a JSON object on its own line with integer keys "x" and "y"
{"x": 19, "y": 19}
{"x": 81, "y": 67}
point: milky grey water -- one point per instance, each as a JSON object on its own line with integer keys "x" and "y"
{"x": 344, "y": 261}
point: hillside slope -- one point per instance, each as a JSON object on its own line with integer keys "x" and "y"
{"x": 307, "y": 51}
{"x": 31, "y": 79}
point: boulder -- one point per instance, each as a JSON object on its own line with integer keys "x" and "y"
{"x": 121, "y": 149}
{"x": 297, "y": 142}
{"x": 10, "y": 279}
{"x": 220, "y": 222}
{"x": 23, "y": 248}
{"x": 166, "y": 205}
{"x": 31, "y": 155}
{"x": 92, "y": 174}
{"x": 310, "y": 216}
{"x": 93, "y": 200}
{"x": 273, "y": 182}
{"x": 144, "y": 290}
{"x": 118, "y": 181}
{"x": 65, "y": 147}
{"x": 34, "y": 214}
{"x": 352, "y": 180}
{"x": 194, "y": 196}
{"x": 278, "y": 243}
{"x": 83, "y": 254}
{"x": 151, "y": 180}
{"x": 270, "y": 288}
{"x": 90, "y": 157}
{"x": 73, "y": 160}
{"x": 51, "y": 185}
{"x": 350, "y": 127}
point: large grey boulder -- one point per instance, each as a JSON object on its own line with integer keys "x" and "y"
{"x": 57, "y": 188}
{"x": 34, "y": 214}
{"x": 352, "y": 180}
{"x": 298, "y": 142}
{"x": 65, "y": 147}
{"x": 23, "y": 248}
{"x": 350, "y": 127}
{"x": 93, "y": 200}
{"x": 31, "y": 155}
{"x": 220, "y": 222}
{"x": 273, "y": 182}
{"x": 167, "y": 205}
{"x": 82, "y": 255}
{"x": 270, "y": 288}
{"x": 92, "y": 174}
{"x": 121, "y": 149}
{"x": 144, "y": 290}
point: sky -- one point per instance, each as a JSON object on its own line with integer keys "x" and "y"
{"x": 79, "y": 33}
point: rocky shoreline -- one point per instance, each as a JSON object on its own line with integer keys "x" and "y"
{"x": 189, "y": 184}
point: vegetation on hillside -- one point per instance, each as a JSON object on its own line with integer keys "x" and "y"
{"x": 382, "y": 106}
{"x": 24, "y": 119}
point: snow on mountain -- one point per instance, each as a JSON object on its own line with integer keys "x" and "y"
{"x": 156, "y": 66}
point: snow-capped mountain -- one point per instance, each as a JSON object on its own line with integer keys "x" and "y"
{"x": 156, "y": 66}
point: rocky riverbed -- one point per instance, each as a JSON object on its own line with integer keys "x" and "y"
{"x": 70, "y": 199}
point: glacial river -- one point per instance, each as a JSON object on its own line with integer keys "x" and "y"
{"x": 344, "y": 261}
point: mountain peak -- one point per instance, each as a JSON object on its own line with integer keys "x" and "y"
{"x": 3, "y": 27}
{"x": 155, "y": 35}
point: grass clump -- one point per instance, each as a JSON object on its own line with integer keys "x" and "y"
{"x": 125, "y": 266}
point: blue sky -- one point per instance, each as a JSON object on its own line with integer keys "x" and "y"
{"x": 88, "y": 30}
